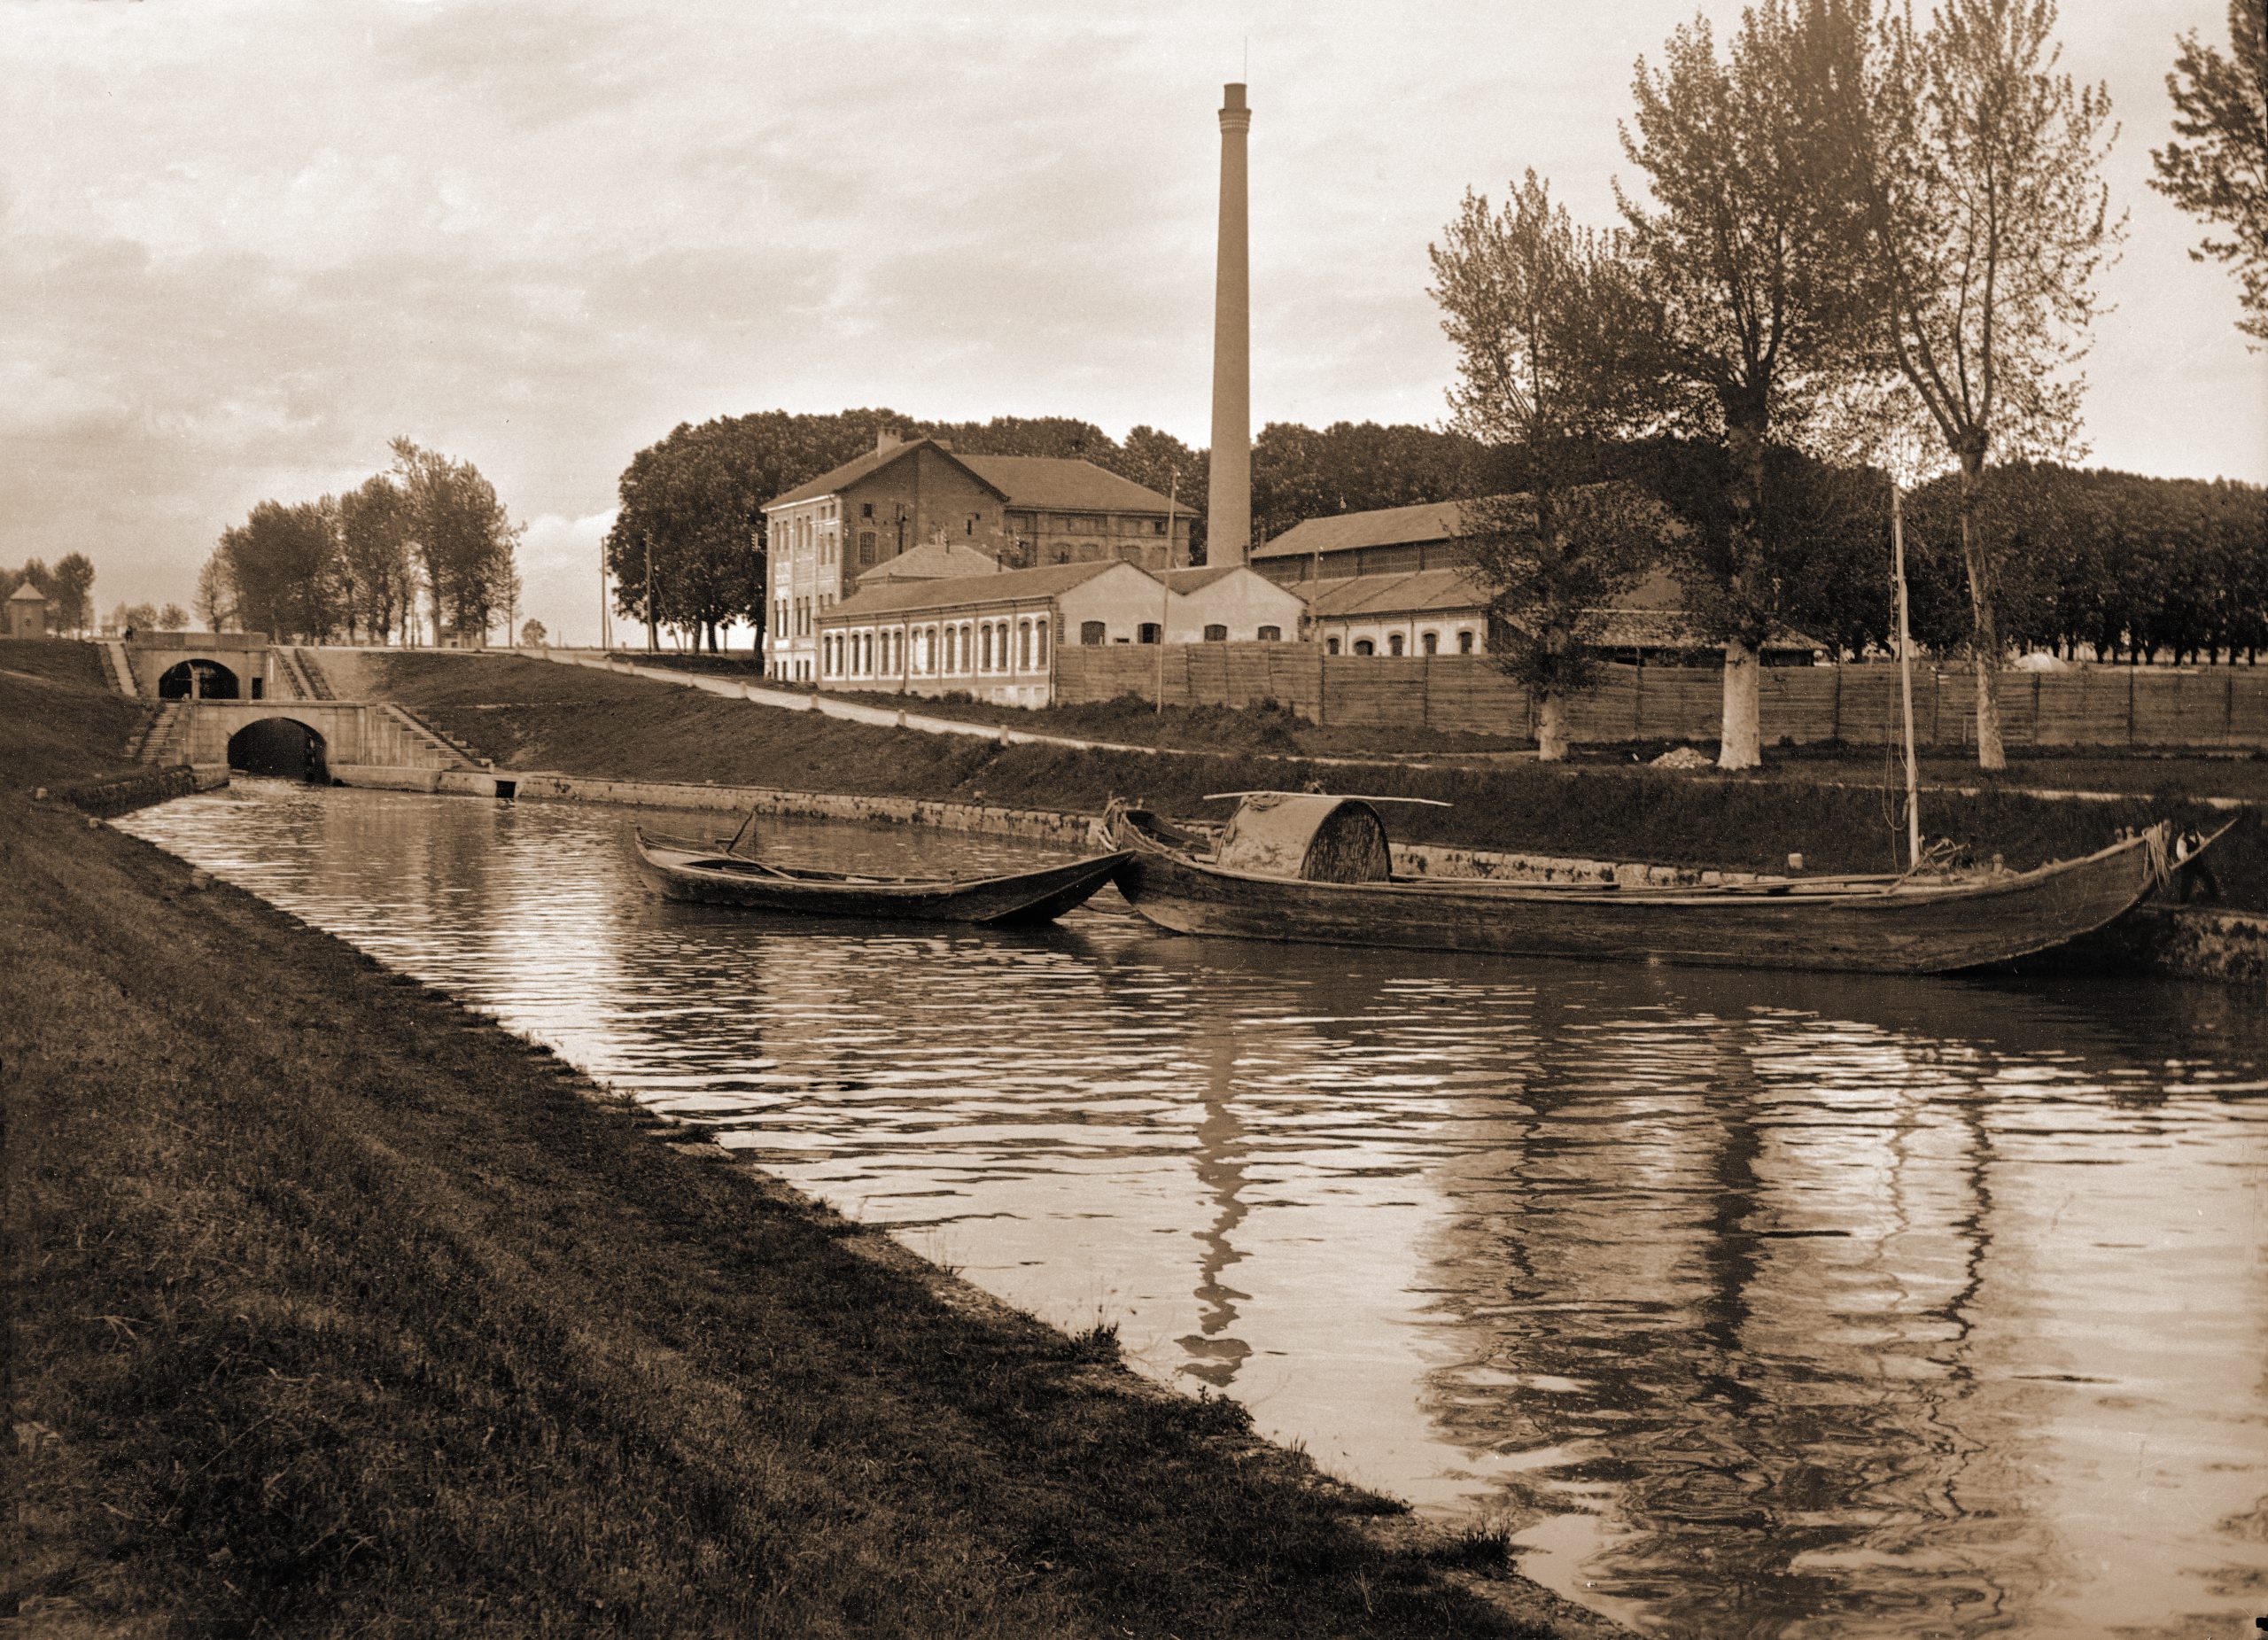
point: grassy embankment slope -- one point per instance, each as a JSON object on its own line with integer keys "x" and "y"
{"x": 537, "y": 714}
{"x": 1131, "y": 721}
{"x": 335, "y": 1308}
{"x": 63, "y": 724}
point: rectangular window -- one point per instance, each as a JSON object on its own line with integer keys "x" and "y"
{"x": 866, "y": 509}
{"x": 866, "y": 549}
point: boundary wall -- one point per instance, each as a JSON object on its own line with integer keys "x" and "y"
{"x": 2216, "y": 708}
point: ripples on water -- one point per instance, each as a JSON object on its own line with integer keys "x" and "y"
{"x": 1777, "y": 1304}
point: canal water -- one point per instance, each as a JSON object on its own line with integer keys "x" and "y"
{"x": 1759, "y": 1304}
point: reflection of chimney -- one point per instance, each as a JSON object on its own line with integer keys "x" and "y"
{"x": 1228, "y": 522}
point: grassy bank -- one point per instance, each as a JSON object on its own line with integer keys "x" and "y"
{"x": 55, "y": 730}
{"x": 336, "y": 1309}
{"x": 1276, "y": 730}
{"x": 59, "y": 660}
{"x": 534, "y": 714}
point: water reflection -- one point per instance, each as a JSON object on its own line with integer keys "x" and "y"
{"x": 1779, "y": 1304}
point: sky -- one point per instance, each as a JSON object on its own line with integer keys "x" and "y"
{"x": 245, "y": 242}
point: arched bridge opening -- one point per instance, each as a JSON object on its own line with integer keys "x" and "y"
{"x": 280, "y": 748}
{"x": 198, "y": 679}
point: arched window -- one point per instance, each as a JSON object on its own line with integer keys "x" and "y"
{"x": 984, "y": 647}
{"x": 1394, "y": 644}
{"x": 1092, "y": 632}
{"x": 1433, "y": 643}
{"x": 1214, "y": 633}
{"x": 1363, "y": 646}
{"x": 1271, "y": 635}
{"x": 1039, "y": 640}
{"x": 1149, "y": 632}
{"x": 1331, "y": 646}
{"x": 1023, "y": 645}
{"x": 1465, "y": 641}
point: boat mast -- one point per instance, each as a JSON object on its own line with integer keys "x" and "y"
{"x": 1906, "y": 677}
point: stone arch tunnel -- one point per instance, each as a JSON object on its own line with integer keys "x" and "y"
{"x": 282, "y": 747}
{"x": 198, "y": 678}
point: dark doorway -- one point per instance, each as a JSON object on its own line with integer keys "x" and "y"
{"x": 214, "y": 681}
{"x": 281, "y": 749}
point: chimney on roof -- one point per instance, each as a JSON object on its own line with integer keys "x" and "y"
{"x": 1228, "y": 530}
{"x": 885, "y": 440}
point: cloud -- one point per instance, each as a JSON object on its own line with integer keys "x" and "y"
{"x": 244, "y": 243}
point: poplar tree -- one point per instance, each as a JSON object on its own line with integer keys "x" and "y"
{"x": 1524, "y": 295}
{"x": 1744, "y": 253}
{"x": 2220, "y": 104}
{"x": 1988, "y": 223}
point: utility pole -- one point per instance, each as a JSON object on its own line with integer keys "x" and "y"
{"x": 606, "y": 625}
{"x": 653, "y": 640}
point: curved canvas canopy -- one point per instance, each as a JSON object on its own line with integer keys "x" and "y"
{"x": 1315, "y": 838}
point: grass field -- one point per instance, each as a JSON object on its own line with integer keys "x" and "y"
{"x": 336, "y": 1310}
{"x": 535, "y": 714}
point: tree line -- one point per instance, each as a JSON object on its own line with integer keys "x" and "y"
{"x": 1865, "y": 243}
{"x": 423, "y": 549}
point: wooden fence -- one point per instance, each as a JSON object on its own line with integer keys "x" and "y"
{"x": 2219, "y": 707}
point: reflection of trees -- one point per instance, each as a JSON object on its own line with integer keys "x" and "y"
{"x": 1215, "y": 1353}
{"x": 1740, "y": 1303}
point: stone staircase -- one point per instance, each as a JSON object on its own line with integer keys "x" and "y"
{"x": 312, "y": 673}
{"x": 291, "y": 673}
{"x": 399, "y": 738}
{"x": 121, "y": 674}
{"x": 163, "y": 738}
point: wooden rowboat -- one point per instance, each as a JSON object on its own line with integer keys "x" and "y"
{"x": 706, "y": 874}
{"x": 1302, "y": 867}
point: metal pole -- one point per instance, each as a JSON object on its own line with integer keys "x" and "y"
{"x": 1906, "y": 679}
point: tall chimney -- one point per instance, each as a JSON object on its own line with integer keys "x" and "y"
{"x": 1228, "y": 523}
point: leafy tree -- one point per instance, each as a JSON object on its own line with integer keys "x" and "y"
{"x": 2221, "y": 105}
{"x": 280, "y": 564}
{"x": 215, "y": 598}
{"x": 695, "y": 500}
{"x": 533, "y": 635}
{"x": 1523, "y": 292}
{"x": 172, "y": 618}
{"x": 1744, "y": 256}
{"x": 463, "y": 539}
{"x": 1298, "y": 472}
{"x": 1988, "y": 223}
{"x": 135, "y": 616}
{"x": 71, "y": 584}
{"x": 377, "y": 574}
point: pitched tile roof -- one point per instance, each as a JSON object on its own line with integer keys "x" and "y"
{"x": 1648, "y": 615}
{"x": 866, "y": 466}
{"x": 904, "y": 597}
{"x": 1417, "y": 592}
{"x": 931, "y": 562}
{"x": 1060, "y": 484}
{"x": 1200, "y": 576}
{"x": 1387, "y": 526}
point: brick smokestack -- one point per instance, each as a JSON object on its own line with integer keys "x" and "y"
{"x": 1228, "y": 513}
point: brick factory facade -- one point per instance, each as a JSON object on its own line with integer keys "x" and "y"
{"x": 1019, "y": 511}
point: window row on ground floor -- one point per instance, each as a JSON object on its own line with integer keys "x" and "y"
{"x": 991, "y": 646}
{"x": 1426, "y": 641}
